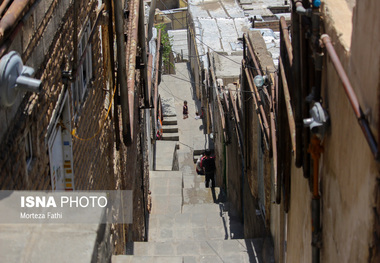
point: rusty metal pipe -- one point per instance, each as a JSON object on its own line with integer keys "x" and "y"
{"x": 132, "y": 46}
{"x": 121, "y": 73}
{"x": 277, "y": 188}
{"x": 4, "y": 5}
{"x": 259, "y": 103}
{"x": 288, "y": 44}
{"x": 261, "y": 113}
{"x": 315, "y": 149}
{"x": 351, "y": 96}
{"x": 289, "y": 110}
{"x": 11, "y": 17}
{"x": 252, "y": 53}
{"x": 157, "y": 74}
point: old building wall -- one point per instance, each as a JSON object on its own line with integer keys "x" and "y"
{"x": 298, "y": 246}
{"x": 234, "y": 170}
{"x": 348, "y": 172}
{"x": 49, "y": 53}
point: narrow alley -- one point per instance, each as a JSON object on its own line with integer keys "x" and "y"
{"x": 188, "y": 222}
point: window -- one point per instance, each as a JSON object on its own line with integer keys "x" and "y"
{"x": 79, "y": 87}
{"x": 28, "y": 149}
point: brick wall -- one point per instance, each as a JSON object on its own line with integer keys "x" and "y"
{"x": 93, "y": 160}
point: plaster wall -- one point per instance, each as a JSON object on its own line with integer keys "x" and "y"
{"x": 348, "y": 172}
{"x": 299, "y": 219}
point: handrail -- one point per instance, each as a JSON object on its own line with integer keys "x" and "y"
{"x": 363, "y": 122}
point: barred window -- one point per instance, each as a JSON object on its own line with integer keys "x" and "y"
{"x": 79, "y": 87}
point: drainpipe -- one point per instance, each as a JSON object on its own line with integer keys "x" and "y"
{"x": 132, "y": 46}
{"x": 315, "y": 149}
{"x": 142, "y": 40}
{"x": 108, "y": 8}
{"x": 151, "y": 18}
{"x": 75, "y": 37}
{"x": 297, "y": 84}
{"x": 121, "y": 72}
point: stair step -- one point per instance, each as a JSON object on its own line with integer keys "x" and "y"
{"x": 202, "y": 195}
{"x": 164, "y": 160}
{"x": 198, "y": 151}
{"x": 170, "y": 121}
{"x": 170, "y": 137}
{"x": 170, "y": 128}
{"x": 235, "y": 250}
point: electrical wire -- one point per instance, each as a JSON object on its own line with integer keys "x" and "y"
{"x": 74, "y": 134}
{"x": 192, "y": 82}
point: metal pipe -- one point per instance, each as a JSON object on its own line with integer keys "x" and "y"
{"x": 158, "y": 48}
{"x": 121, "y": 72}
{"x": 108, "y": 8}
{"x": 315, "y": 149}
{"x": 259, "y": 104}
{"x": 12, "y": 15}
{"x": 289, "y": 110}
{"x": 288, "y": 44}
{"x": 152, "y": 12}
{"x": 4, "y": 5}
{"x": 261, "y": 114}
{"x": 142, "y": 41}
{"x": 296, "y": 69}
{"x": 351, "y": 96}
{"x": 132, "y": 46}
{"x": 252, "y": 53}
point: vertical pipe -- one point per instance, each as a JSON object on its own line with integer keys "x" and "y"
{"x": 121, "y": 72}
{"x": 315, "y": 149}
{"x": 297, "y": 89}
{"x": 111, "y": 63}
{"x": 142, "y": 41}
{"x": 132, "y": 46}
{"x": 152, "y": 11}
{"x": 306, "y": 81}
{"x": 75, "y": 37}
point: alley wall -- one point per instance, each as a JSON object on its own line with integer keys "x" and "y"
{"x": 349, "y": 174}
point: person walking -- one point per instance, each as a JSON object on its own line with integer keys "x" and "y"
{"x": 198, "y": 167}
{"x": 208, "y": 166}
{"x": 185, "y": 110}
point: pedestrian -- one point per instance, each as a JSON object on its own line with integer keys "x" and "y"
{"x": 198, "y": 167}
{"x": 197, "y": 117}
{"x": 185, "y": 110}
{"x": 208, "y": 166}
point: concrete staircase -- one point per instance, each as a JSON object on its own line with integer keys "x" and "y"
{"x": 170, "y": 129}
{"x": 191, "y": 224}
{"x": 170, "y": 122}
{"x": 188, "y": 222}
